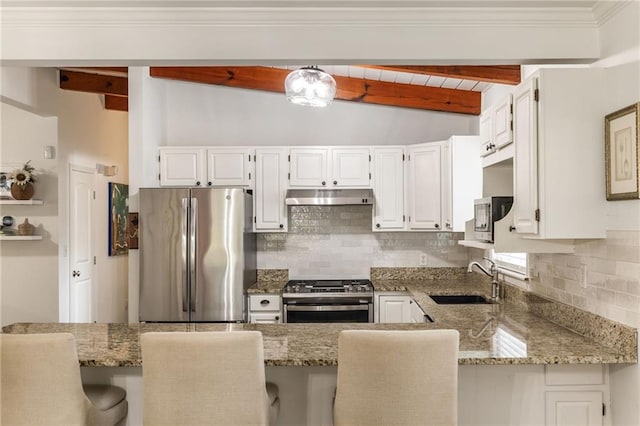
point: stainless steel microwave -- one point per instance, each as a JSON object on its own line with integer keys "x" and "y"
{"x": 487, "y": 211}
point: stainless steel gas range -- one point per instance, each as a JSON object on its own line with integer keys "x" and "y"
{"x": 328, "y": 301}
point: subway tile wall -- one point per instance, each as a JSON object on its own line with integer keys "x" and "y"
{"x": 612, "y": 287}
{"x": 337, "y": 242}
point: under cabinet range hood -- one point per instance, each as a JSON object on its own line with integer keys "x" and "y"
{"x": 328, "y": 197}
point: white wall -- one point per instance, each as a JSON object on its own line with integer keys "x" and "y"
{"x": 199, "y": 114}
{"x": 29, "y": 269}
{"x": 86, "y": 135}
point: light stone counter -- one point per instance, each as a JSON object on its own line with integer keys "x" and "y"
{"x": 522, "y": 329}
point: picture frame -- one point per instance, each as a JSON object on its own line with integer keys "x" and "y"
{"x": 622, "y": 153}
{"x": 118, "y": 219}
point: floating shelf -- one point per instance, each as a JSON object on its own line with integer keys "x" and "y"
{"x": 22, "y": 202}
{"x": 20, "y": 237}
{"x": 510, "y": 242}
{"x": 476, "y": 244}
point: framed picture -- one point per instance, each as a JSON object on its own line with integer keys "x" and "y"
{"x": 118, "y": 219}
{"x": 5, "y": 186}
{"x": 621, "y": 153}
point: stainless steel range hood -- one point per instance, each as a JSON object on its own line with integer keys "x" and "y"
{"x": 328, "y": 197}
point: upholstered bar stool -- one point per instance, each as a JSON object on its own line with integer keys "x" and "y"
{"x": 41, "y": 384}
{"x": 397, "y": 378}
{"x": 212, "y": 378}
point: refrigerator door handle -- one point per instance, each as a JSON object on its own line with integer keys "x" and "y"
{"x": 183, "y": 290}
{"x": 192, "y": 252}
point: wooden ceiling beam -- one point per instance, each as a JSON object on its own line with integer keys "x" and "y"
{"x": 349, "y": 89}
{"x": 94, "y": 83}
{"x": 116, "y": 103}
{"x": 503, "y": 74}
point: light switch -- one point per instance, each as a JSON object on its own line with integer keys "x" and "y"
{"x": 48, "y": 152}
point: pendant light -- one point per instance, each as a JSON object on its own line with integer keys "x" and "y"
{"x": 310, "y": 86}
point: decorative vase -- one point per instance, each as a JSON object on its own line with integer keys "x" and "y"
{"x": 22, "y": 192}
{"x": 25, "y": 228}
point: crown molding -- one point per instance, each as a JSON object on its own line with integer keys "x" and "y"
{"x": 124, "y": 16}
{"x": 604, "y": 10}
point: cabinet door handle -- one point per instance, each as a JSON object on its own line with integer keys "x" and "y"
{"x": 264, "y": 302}
{"x": 377, "y": 225}
{"x": 324, "y": 183}
{"x": 75, "y": 274}
{"x": 209, "y": 183}
{"x": 335, "y": 182}
{"x": 281, "y": 226}
{"x": 512, "y": 228}
{"x": 198, "y": 183}
{"x": 437, "y": 226}
{"x": 277, "y": 318}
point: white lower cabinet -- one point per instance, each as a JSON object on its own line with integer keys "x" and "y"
{"x": 265, "y": 308}
{"x": 398, "y": 309}
{"x": 523, "y": 395}
{"x": 573, "y": 408}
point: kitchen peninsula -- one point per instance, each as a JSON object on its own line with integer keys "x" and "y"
{"x": 508, "y": 345}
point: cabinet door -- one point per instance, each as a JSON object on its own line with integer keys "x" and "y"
{"x": 446, "y": 176}
{"x": 525, "y": 159}
{"x": 308, "y": 167}
{"x": 388, "y": 188}
{"x": 271, "y": 187}
{"x": 394, "y": 309}
{"x": 486, "y": 133}
{"x": 424, "y": 186}
{"x": 417, "y": 314}
{"x": 228, "y": 167}
{"x": 502, "y": 130}
{"x": 181, "y": 166}
{"x": 573, "y": 408}
{"x": 350, "y": 167}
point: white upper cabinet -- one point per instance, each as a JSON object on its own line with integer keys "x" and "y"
{"x": 502, "y": 125}
{"x": 181, "y": 166}
{"x": 330, "y": 167}
{"x": 200, "y": 166}
{"x": 559, "y": 160}
{"x": 271, "y": 187}
{"x": 486, "y": 132}
{"x": 388, "y": 188}
{"x": 461, "y": 168}
{"x": 229, "y": 166}
{"x": 309, "y": 167}
{"x": 425, "y": 188}
{"x": 350, "y": 167}
{"x": 525, "y": 163}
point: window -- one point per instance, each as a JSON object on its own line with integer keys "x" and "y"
{"x": 513, "y": 267}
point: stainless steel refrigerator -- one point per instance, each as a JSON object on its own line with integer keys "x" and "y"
{"x": 197, "y": 254}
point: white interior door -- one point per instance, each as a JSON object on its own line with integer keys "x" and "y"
{"x": 81, "y": 281}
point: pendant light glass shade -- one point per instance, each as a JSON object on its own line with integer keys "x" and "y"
{"x": 310, "y": 86}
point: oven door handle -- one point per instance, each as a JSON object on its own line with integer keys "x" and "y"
{"x": 317, "y": 308}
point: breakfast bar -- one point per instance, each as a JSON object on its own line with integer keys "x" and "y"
{"x": 515, "y": 347}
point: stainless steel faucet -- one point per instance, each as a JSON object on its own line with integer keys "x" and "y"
{"x": 492, "y": 272}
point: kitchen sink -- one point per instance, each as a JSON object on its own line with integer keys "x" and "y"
{"x": 465, "y": 299}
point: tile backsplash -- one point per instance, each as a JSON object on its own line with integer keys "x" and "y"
{"x": 337, "y": 242}
{"x": 612, "y": 287}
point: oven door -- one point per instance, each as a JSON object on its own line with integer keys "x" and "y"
{"x": 309, "y": 311}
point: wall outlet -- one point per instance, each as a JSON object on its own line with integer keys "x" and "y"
{"x": 423, "y": 259}
{"x": 583, "y": 275}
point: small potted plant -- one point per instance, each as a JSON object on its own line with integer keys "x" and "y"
{"x": 22, "y": 182}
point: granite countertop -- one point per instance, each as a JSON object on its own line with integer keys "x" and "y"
{"x": 499, "y": 333}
